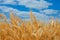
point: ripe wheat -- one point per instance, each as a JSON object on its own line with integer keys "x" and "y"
{"x": 17, "y": 29}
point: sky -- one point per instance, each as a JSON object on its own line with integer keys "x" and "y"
{"x": 42, "y": 9}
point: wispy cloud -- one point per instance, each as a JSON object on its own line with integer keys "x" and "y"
{"x": 7, "y": 2}
{"x": 50, "y": 11}
{"x": 42, "y": 4}
{"x": 23, "y": 14}
{"x": 35, "y": 4}
{"x": 7, "y": 9}
{"x": 28, "y": 3}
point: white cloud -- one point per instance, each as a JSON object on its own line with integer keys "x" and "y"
{"x": 29, "y": 3}
{"x": 23, "y": 13}
{"x": 34, "y": 4}
{"x": 7, "y": 9}
{"x": 50, "y": 11}
{"x": 7, "y": 2}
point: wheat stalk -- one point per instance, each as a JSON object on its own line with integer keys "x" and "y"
{"x": 18, "y": 29}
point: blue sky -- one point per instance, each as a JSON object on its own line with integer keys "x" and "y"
{"x": 42, "y": 9}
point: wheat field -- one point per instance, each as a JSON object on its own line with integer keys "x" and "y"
{"x": 17, "y": 29}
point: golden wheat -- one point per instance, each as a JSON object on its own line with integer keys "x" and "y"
{"x": 17, "y": 29}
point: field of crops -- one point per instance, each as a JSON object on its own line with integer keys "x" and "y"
{"x": 17, "y": 29}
